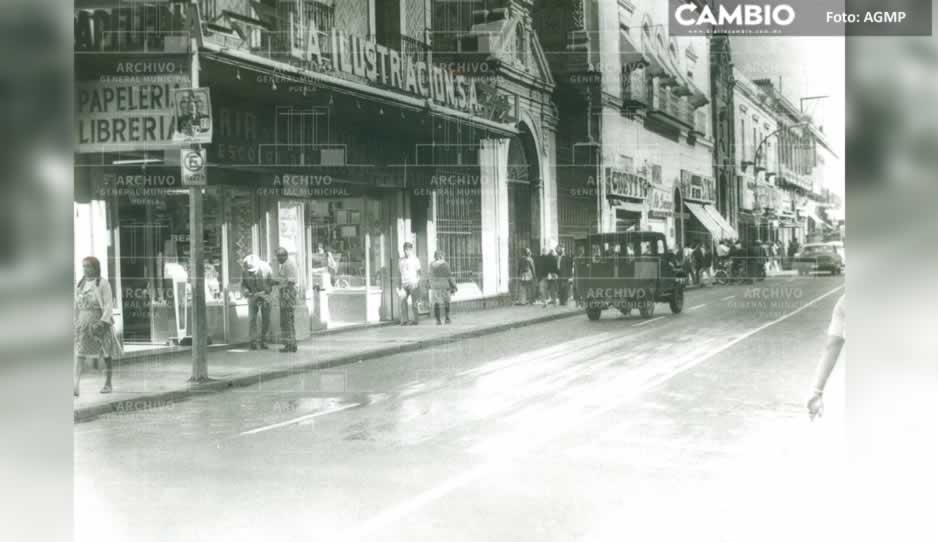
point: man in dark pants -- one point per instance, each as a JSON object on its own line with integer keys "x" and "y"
{"x": 565, "y": 274}
{"x": 287, "y": 279}
{"x": 697, "y": 262}
{"x": 256, "y": 288}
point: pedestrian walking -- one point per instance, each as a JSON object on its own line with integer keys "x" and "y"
{"x": 526, "y": 276}
{"x": 442, "y": 286}
{"x": 257, "y": 287}
{"x": 697, "y": 262}
{"x": 286, "y": 279}
{"x": 95, "y": 336}
{"x": 707, "y": 267}
{"x": 547, "y": 268}
{"x": 793, "y": 249}
{"x": 564, "y": 275}
{"x": 836, "y": 338}
{"x": 409, "y": 267}
{"x": 737, "y": 259}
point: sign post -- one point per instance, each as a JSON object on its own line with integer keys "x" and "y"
{"x": 196, "y": 256}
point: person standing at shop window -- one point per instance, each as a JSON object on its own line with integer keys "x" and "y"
{"x": 324, "y": 267}
{"x": 409, "y": 267}
{"x": 94, "y": 322}
{"x": 286, "y": 279}
{"x": 256, "y": 287}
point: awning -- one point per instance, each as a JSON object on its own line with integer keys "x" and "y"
{"x": 729, "y": 232}
{"x": 704, "y": 217}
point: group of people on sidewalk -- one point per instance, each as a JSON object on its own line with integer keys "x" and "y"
{"x": 545, "y": 280}
{"x": 258, "y": 279}
{"x": 441, "y": 282}
{"x": 95, "y": 336}
{"x": 736, "y": 259}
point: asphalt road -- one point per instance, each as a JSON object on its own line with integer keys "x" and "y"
{"x": 686, "y": 427}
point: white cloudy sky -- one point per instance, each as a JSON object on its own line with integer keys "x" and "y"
{"x": 808, "y": 66}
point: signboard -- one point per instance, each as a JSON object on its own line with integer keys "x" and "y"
{"x": 192, "y": 163}
{"x": 660, "y": 203}
{"x": 622, "y": 184}
{"x": 362, "y": 57}
{"x": 127, "y": 112}
{"x": 125, "y": 26}
{"x": 193, "y": 115}
{"x": 697, "y": 187}
{"x": 763, "y": 198}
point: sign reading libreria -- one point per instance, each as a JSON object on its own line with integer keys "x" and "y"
{"x": 129, "y": 105}
{"x": 382, "y": 65}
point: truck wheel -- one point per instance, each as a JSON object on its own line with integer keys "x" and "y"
{"x": 677, "y": 300}
{"x": 593, "y": 314}
{"x": 647, "y": 310}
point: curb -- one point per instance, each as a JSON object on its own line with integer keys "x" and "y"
{"x": 164, "y": 398}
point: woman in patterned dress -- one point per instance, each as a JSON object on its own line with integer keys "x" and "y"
{"x": 94, "y": 321}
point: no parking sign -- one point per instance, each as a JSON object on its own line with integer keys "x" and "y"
{"x": 193, "y": 167}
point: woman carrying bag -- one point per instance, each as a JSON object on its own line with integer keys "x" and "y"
{"x": 94, "y": 322}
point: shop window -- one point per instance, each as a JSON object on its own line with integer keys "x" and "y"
{"x": 290, "y": 230}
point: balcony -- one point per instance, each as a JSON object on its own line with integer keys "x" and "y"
{"x": 700, "y": 123}
{"x": 414, "y": 49}
{"x": 670, "y": 108}
{"x": 278, "y": 33}
{"x": 634, "y": 88}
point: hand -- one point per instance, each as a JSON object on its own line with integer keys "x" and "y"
{"x": 816, "y": 406}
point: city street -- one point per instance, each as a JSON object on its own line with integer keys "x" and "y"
{"x": 678, "y": 427}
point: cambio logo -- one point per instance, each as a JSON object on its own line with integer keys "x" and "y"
{"x": 741, "y": 15}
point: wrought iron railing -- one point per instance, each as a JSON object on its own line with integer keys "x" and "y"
{"x": 414, "y": 49}
{"x": 634, "y": 87}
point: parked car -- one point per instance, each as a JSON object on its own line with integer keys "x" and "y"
{"x": 626, "y": 271}
{"x": 839, "y": 247}
{"x": 818, "y": 257}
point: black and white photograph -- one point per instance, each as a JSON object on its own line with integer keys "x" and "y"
{"x": 466, "y": 270}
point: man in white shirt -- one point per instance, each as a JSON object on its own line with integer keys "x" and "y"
{"x": 409, "y": 267}
{"x": 836, "y": 337}
{"x": 286, "y": 278}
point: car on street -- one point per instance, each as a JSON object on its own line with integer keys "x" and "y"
{"x": 818, "y": 257}
{"x": 839, "y": 247}
{"x": 626, "y": 271}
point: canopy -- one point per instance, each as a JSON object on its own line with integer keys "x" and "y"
{"x": 704, "y": 217}
{"x": 729, "y": 232}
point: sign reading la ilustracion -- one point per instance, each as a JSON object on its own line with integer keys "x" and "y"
{"x": 356, "y": 55}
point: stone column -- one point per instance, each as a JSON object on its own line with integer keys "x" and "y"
{"x": 493, "y": 162}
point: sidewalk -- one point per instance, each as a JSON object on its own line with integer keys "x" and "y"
{"x": 160, "y": 381}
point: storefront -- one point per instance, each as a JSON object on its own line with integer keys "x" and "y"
{"x": 626, "y": 192}
{"x": 338, "y": 167}
{"x": 700, "y": 221}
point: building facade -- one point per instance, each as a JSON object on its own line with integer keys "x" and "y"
{"x": 338, "y": 126}
{"x": 636, "y": 139}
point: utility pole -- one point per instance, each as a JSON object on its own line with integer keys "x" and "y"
{"x": 196, "y": 256}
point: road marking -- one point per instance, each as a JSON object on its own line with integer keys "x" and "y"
{"x": 647, "y": 321}
{"x": 365, "y": 530}
{"x": 727, "y": 298}
{"x": 697, "y": 307}
{"x": 297, "y": 420}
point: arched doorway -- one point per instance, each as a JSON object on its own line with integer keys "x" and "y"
{"x": 524, "y": 195}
